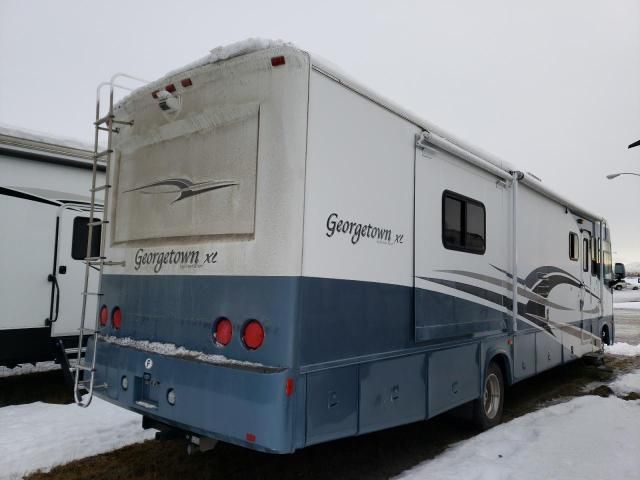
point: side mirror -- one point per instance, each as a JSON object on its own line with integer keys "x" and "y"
{"x": 619, "y": 271}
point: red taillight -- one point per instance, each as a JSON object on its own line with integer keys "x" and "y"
{"x": 288, "y": 388}
{"x": 253, "y": 335}
{"x": 116, "y": 318}
{"x": 223, "y": 332}
{"x": 104, "y": 316}
{"x": 277, "y": 61}
{"x": 186, "y": 82}
{"x": 170, "y": 88}
{"x": 250, "y": 437}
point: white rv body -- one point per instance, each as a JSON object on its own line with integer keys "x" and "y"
{"x": 43, "y": 188}
{"x": 266, "y": 185}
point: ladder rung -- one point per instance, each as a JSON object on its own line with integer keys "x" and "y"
{"x": 103, "y": 153}
{"x": 84, "y": 368}
{"x": 105, "y": 263}
{"x": 93, "y": 293}
{"x": 107, "y": 129}
{"x": 104, "y": 119}
{"x": 101, "y": 187}
{"x": 87, "y": 383}
{"x": 74, "y": 350}
{"x": 123, "y": 122}
{"x": 97, "y": 222}
{"x": 113, "y": 263}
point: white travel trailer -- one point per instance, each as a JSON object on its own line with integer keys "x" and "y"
{"x": 297, "y": 259}
{"x": 43, "y": 205}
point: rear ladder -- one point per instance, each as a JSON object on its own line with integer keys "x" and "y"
{"x": 109, "y": 124}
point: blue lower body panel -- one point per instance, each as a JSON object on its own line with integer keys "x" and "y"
{"x": 247, "y": 407}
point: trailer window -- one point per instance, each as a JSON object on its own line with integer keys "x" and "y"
{"x": 574, "y": 249}
{"x": 81, "y": 236}
{"x": 585, "y": 255}
{"x": 463, "y": 223}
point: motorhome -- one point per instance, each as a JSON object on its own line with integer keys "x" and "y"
{"x": 43, "y": 207}
{"x": 297, "y": 259}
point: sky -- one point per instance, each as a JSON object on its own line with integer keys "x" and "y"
{"x": 552, "y": 87}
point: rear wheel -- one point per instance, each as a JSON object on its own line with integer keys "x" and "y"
{"x": 487, "y": 411}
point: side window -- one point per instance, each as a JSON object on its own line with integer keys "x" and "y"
{"x": 574, "y": 246}
{"x": 463, "y": 224}
{"x": 595, "y": 257}
{"x": 81, "y": 236}
{"x": 585, "y": 255}
{"x": 607, "y": 264}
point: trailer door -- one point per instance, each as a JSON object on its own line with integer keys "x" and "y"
{"x": 70, "y": 271}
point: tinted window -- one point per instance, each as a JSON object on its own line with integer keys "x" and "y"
{"x": 80, "y": 237}
{"x": 463, "y": 223}
{"x": 453, "y": 221}
{"x": 585, "y": 255}
{"x": 573, "y": 246}
{"x": 608, "y": 274}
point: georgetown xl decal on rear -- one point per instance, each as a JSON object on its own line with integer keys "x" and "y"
{"x": 180, "y": 258}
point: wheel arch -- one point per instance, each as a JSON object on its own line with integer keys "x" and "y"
{"x": 502, "y": 359}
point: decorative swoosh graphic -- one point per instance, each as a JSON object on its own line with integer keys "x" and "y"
{"x": 182, "y": 186}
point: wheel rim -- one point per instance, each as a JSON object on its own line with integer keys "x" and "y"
{"x": 491, "y": 396}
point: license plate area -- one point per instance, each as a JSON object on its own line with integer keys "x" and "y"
{"x": 147, "y": 391}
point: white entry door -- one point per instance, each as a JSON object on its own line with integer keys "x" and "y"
{"x": 70, "y": 270}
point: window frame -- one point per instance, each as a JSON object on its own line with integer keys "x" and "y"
{"x": 78, "y": 220}
{"x": 586, "y": 260}
{"x": 465, "y": 200}
{"x": 576, "y": 245}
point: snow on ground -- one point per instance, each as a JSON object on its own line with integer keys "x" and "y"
{"x": 622, "y": 348}
{"x": 41, "y": 435}
{"x": 588, "y": 437}
{"x": 28, "y": 368}
{"x": 627, "y": 383}
{"x": 627, "y": 305}
{"x": 621, "y": 297}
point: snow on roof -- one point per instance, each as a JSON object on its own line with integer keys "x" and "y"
{"x": 461, "y": 148}
{"x": 40, "y": 137}
{"x": 217, "y": 54}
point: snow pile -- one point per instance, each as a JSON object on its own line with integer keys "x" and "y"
{"x": 624, "y": 349}
{"x": 28, "y": 368}
{"x": 175, "y": 351}
{"x": 41, "y": 435}
{"x": 555, "y": 442}
{"x": 625, "y": 384}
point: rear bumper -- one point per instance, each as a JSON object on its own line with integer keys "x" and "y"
{"x": 243, "y": 406}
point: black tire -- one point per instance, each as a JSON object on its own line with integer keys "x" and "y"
{"x": 487, "y": 410}
{"x": 618, "y": 287}
{"x": 604, "y": 335}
